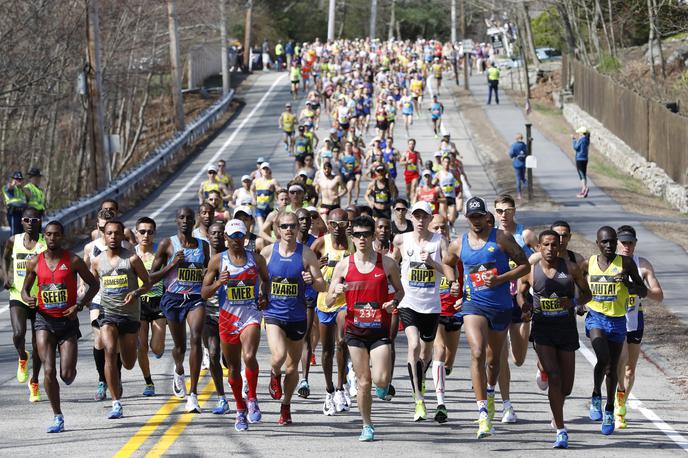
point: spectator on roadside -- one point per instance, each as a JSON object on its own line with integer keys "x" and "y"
{"x": 581, "y": 144}
{"x": 35, "y": 195}
{"x": 240, "y": 59}
{"x": 266, "y": 55}
{"x": 289, "y": 52}
{"x": 279, "y": 55}
{"x": 518, "y": 152}
{"x": 15, "y": 200}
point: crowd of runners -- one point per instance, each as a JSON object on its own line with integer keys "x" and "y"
{"x": 316, "y": 264}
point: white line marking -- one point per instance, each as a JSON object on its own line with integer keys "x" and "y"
{"x": 4, "y": 309}
{"x": 637, "y": 404}
{"x": 229, "y": 141}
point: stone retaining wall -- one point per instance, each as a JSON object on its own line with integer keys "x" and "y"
{"x": 633, "y": 164}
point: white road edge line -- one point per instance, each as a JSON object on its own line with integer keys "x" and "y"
{"x": 222, "y": 149}
{"x": 637, "y": 404}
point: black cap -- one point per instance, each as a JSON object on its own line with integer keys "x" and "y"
{"x": 476, "y": 206}
{"x": 34, "y": 172}
{"x": 17, "y": 175}
{"x": 626, "y": 234}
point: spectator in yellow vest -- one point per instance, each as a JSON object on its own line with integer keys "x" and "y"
{"x": 15, "y": 200}
{"x": 35, "y": 195}
{"x": 493, "y": 83}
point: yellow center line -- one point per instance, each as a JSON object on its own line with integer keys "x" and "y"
{"x": 174, "y": 431}
{"x": 157, "y": 419}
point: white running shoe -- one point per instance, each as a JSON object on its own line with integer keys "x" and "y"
{"x": 351, "y": 380}
{"x": 340, "y": 404}
{"x": 179, "y": 385}
{"x": 192, "y": 404}
{"x": 205, "y": 364}
{"x": 509, "y": 416}
{"x": 328, "y": 406}
{"x": 541, "y": 380}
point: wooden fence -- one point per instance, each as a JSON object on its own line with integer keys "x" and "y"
{"x": 644, "y": 125}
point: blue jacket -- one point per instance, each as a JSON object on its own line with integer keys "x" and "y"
{"x": 289, "y": 48}
{"x": 580, "y": 146}
{"x": 518, "y": 152}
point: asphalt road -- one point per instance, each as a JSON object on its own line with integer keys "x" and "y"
{"x": 156, "y": 426}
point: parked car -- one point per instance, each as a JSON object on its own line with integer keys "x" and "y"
{"x": 545, "y": 54}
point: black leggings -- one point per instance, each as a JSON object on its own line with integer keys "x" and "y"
{"x": 582, "y": 168}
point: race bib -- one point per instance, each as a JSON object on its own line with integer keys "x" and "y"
{"x": 54, "y": 296}
{"x": 189, "y": 274}
{"x": 551, "y": 306}
{"x": 115, "y": 284}
{"x": 367, "y": 315}
{"x": 420, "y": 275}
{"x": 477, "y": 274}
{"x": 241, "y": 292}
{"x": 603, "y": 288}
{"x": 284, "y": 287}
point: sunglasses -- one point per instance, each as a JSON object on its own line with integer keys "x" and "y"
{"x": 294, "y": 192}
{"x": 236, "y": 236}
{"x": 361, "y": 234}
{"x": 501, "y": 211}
{"x": 146, "y": 232}
{"x": 287, "y": 226}
{"x": 31, "y": 220}
{"x": 211, "y": 172}
{"x": 400, "y": 209}
{"x": 101, "y": 228}
{"x": 341, "y": 224}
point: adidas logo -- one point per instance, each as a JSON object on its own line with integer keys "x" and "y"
{"x": 192, "y": 266}
{"x": 114, "y": 272}
{"x": 602, "y": 279}
{"x": 482, "y": 269}
{"x": 561, "y": 275}
{"x": 241, "y": 283}
{"x": 553, "y": 296}
{"x": 63, "y": 267}
{"x": 53, "y": 287}
{"x": 422, "y": 266}
{"x": 284, "y": 280}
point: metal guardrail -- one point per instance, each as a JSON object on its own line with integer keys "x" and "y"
{"x": 76, "y": 214}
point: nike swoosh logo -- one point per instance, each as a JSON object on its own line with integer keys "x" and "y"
{"x": 378, "y": 275}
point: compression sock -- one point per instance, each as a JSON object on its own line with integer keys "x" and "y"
{"x": 99, "y": 358}
{"x": 252, "y": 380}
{"x": 438, "y": 378}
{"x": 237, "y": 385}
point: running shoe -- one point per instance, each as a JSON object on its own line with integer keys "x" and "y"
{"x": 101, "y": 391}
{"x": 491, "y": 405}
{"x": 608, "y": 423}
{"x": 328, "y": 406}
{"x": 509, "y": 416}
{"x": 620, "y": 422}
{"x": 421, "y": 412}
{"x": 275, "y": 388}
{"x": 351, "y": 380}
{"x": 391, "y": 392}
{"x": 339, "y": 400}
{"x": 23, "y": 369}
{"x": 620, "y": 404}
{"x": 381, "y": 393}
{"x": 34, "y": 392}
{"x": 192, "y": 404}
{"x": 58, "y": 425}
{"x": 254, "y": 415}
{"x": 441, "y": 414}
{"x": 562, "y": 440}
{"x": 447, "y": 369}
{"x": 240, "y": 424}
{"x": 205, "y": 363}
{"x": 285, "y": 415}
{"x": 484, "y": 426}
{"x": 302, "y": 389}
{"x": 116, "y": 411}
{"x": 596, "y": 408}
{"x": 313, "y": 362}
{"x": 367, "y": 434}
{"x": 222, "y": 407}
{"x": 149, "y": 390}
{"x": 542, "y": 380}
{"x": 179, "y": 385}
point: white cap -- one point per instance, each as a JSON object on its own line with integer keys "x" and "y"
{"x": 303, "y": 173}
{"x": 212, "y": 168}
{"x": 311, "y": 209}
{"x": 438, "y": 153}
{"x": 296, "y": 187}
{"x": 582, "y": 130}
{"x": 243, "y": 209}
{"x": 265, "y": 165}
{"x": 246, "y": 177}
{"x": 234, "y": 226}
{"x": 427, "y": 172}
{"x": 422, "y": 205}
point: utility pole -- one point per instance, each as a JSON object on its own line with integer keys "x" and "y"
{"x": 373, "y": 19}
{"x": 175, "y": 68}
{"x": 247, "y": 34}
{"x": 466, "y": 55}
{"x": 392, "y": 19}
{"x": 453, "y": 20}
{"x": 100, "y": 174}
{"x": 223, "y": 48}
{"x": 330, "y": 20}
{"x": 529, "y": 152}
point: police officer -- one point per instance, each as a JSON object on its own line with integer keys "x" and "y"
{"x": 493, "y": 83}
{"x": 15, "y": 200}
{"x": 35, "y": 195}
